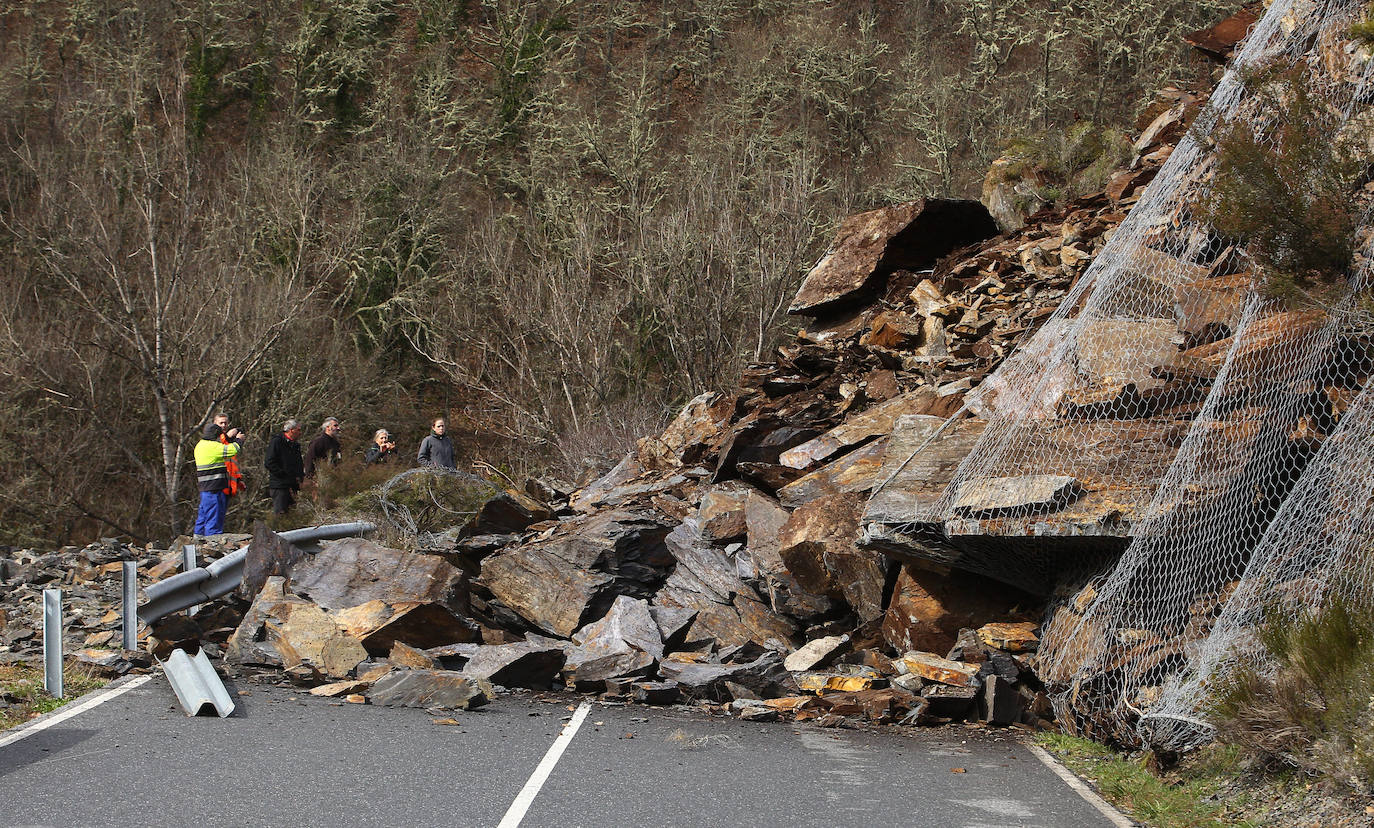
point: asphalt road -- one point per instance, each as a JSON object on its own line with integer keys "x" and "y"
{"x": 287, "y": 758}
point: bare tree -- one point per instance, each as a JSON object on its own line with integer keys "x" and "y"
{"x": 183, "y": 270}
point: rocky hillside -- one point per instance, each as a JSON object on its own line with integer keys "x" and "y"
{"x": 722, "y": 558}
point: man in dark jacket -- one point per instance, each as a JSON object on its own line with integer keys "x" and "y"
{"x": 436, "y": 449}
{"x": 325, "y": 447}
{"x": 285, "y": 470}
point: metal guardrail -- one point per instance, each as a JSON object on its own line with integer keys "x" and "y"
{"x": 206, "y": 583}
{"x": 196, "y": 684}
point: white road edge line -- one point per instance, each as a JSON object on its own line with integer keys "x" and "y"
{"x": 525, "y": 798}
{"x": 62, "y": 714}
{"x": 1089, "y": 795}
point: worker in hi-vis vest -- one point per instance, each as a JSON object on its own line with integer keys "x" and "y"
{"x": 212, "y": 477}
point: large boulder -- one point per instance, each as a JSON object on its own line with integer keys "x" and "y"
{"x": 533, "y": 663}
{"x": 930, "y": 606}
{"x": 870, "y": 246}
{"x": 549, "y": 592}
{"x": 626, "y": 642}
{"x": 817, "y": 545}
{"x": 283, "y": 630}
{"x": 353, "y": 571}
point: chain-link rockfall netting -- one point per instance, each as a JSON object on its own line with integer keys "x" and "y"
{"x": 1178, "y": 403}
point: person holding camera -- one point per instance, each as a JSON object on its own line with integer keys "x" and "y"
{"x": 212, "y": 478}
{"x": 381, "y": 450}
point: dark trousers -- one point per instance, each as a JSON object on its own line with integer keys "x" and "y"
{"x": 282, "y": 500}
{"x": 210, "y": 518}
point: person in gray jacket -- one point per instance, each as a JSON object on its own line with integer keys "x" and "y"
{"x": 437, "y": 448}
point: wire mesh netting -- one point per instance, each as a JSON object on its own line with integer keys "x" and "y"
{"x": 424, "y": 506}
{"x": 1179, "y": 403}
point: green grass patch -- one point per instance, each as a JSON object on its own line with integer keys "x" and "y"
{"x": 1127, "y": 782}
{"x": 22, "y": 687}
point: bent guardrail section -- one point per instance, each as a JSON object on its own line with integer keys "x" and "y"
{"x": 196, "y": 684}
{"x": 205, "y": 583}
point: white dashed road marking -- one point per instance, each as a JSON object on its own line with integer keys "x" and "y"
{"x": 522, "y": 802}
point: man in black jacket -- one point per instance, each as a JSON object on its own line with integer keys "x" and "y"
{"x": 285, "y": 470}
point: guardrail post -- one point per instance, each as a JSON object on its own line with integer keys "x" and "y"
{"x": 52, "y": 642}
{"x": 131, "y": 605}
{"x": 188, "y": 563}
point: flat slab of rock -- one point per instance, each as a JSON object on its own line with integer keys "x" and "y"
{"x": 1024, "y": 494}
{"x": 869, "y": 246}
{"x": 873, "y": 422}
{"x": 340, "y": 688}
{"x": 816, "y": 653}
{"x": 1011, "y": 637}
{"x": 431, "y": 688}
{"x": 828, "y": 682}
{"x": 857, "y": 472}
{"x": 931, "y": 667}
{"x": 103, "y": 662}
{"x": 353, "y": 571}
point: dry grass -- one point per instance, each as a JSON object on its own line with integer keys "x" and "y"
{"x": 1309, "y": 704}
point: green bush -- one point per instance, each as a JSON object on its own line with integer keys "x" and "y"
{"x": 1310, "y": 702}
{"x": 1363, "y": 30}
{"x": 418, "y": 502}
{"x": 1285, "y": 187}
{"x": 1060, "y": 165}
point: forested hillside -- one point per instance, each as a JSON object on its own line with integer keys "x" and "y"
{"x": 550, "y": 221}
